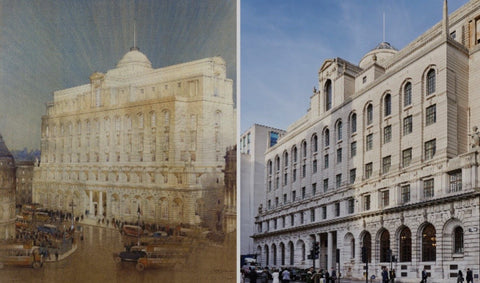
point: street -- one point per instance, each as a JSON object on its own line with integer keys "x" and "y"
{"x": 93, "y": 262}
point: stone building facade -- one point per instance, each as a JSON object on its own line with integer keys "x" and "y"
{"x": 7, "y": 193}
{"x": 386, "y": 158}
{"x": 24, "y": 178}
{"x": 230, "y": 195}
{"x": 138, "y": 138}
{"x": 253, "y": 144}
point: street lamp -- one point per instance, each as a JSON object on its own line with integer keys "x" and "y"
{"x": 73, "y": 218}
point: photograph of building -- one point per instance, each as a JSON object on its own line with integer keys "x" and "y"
{"x": 384, "y": 161}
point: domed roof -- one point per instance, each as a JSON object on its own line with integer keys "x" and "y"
{"x": 380, "y": 53}
{"x": 134, "y": 58}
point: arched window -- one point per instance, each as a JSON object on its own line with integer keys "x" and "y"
{"x": 367, "y": 243}
{"x": 352, "y": 248}
{"x": 353, "y": 123}
{"x": 405, "y": 245}
{"x": 282, "y": 254}
{"x": 387, "y": 104}
{"x": 339, "y": 130}
{"x": 407, "y": 94}
{"x": 384, "y": 246}
{"x": 285, "y": 159}
{"x": 269, "y": 167}
{"x": 292, "y": 252}
{"x": 431, "y": 81}
{"x": 328, "y": 95}
{"x": 314, "y": 143}
{"x": 274, "y": 254}
{"x": 326, "y": 137}
{"x": 429, "y": 243}
{"x": 277, "y": 163}
{"x": 266, "y": 256}
{"x": 369, "y": 114}
{"x": 458, "y": 240}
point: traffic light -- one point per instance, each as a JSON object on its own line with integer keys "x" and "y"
{"x": 316, "y": 248}
{"x": 364, "y": 255}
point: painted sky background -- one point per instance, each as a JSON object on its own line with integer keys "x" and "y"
{"x": 48, "y": 45}
{"x": 283, "y": 45}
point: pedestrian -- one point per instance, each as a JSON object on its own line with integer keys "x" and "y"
{"x": 275, "y": 276}
{"x": 286, "y": 276}
{"x": 253, "y": 275}
{"x": 264, "y": 276}
{"x": 385, "y": 275}
{"x": 392, "y": 275}
{"x": 460, "y": 277}
{"x": 469, "y": 276}
{"x": 56, "y": 255}
{"x": 333, "y": 276}
{"x": 327, "y": 276}
{"x": 424, "y": 276}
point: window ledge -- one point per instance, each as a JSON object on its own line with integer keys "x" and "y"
{"x": 457, "y": 255}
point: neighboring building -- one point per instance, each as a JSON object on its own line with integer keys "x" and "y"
{"x": 7, "y": 193}
{"x": 384, "y": 159}
{"x": 230, "y": 202}
{"x": 253, "y": 144}
{"x": 138, "y": 138}
{"x": 24, "y": 177}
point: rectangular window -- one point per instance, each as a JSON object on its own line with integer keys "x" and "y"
{"x": 368, "y": 170}
{"x": 276, "y": 202}
{"x": 303, "y": 192}
{"x": 369, "y": 142}
{"x": 324, "y": 212}
{"x": 292, "y": 219}
{"x": 284, "y": 198}
{"x": 275, "y": 223}
{"x": 430, "y": 147}
{"x": 387, "y": 134}
{"x": 273, "y": 138}
{"x": 455, "y": 179}
{"x": 314, "y": 166}
{"x": 325, "y": 161}
{"x": 304, "y": 170}
{"x": 407, "y": 125}
{"x": 366, "y": 202}
{"x": 351, "y": 205}
{"x": 406, "y": 157}
{"x": 338, "y": 180}
{"x": 353, "y": 175}
{"x": 431, "y": 115}
{"x": 314, "y": 189}
{"x": 325, "y": 185}
{"x": 302, "y": 220}
{"x": 294, "y": 175}
{"x": 269, "y": 204}
{"x": 428, "y": 188}
{"x": 353, "y": 149}
{"x": 405, "y": 192}
{"x": 294, "y": 195}
{"x": 339, "y": 155}
{"x": 386, "y": 163}
{"x": 283, "y": 221}
{"x": 337, "y": 209}
{"x": 312, "y": 215}
{"x": 285, "y": 179}
{"x": 385, "y": 198}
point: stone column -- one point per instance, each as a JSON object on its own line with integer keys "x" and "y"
{"x": 100, "y": 204}
{"x": 91, "y": 212}
{"x": 330, "y": 251}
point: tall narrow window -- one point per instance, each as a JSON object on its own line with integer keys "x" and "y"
{"x": 369, "y": 142}
{"x": 387, "y": 134}
{"x": 353, "y": 123}
{"x": 353, "y": 149}
{"x": 431, "y": 81}
{"x": 353, "y": 175}
{"x": 368, "y": 170}
{"x": 325, "y": 161}
{"x": 384, "y": 246}
{"x": 339, "y": 155}
{"x": 328, "y": 95}
{"x": 458, "y": 240}
{"x": 405, "y": 245}
{"x": 366, "y": 202}
{"x": 407, "y": 94}
{"x": 326, "y": 137}
{"x": 369, "y": 114}
{"x": 406, "y": 157}
{"x": 429, "y": 243}
{"x": 386, "y": 164}
{"x": 387, "y": 104}
{"x": 455, "y": 179}
{"x": 407, "y": 125}
{"x": 430, "y": 148}
{"x": 294, "y": 153}
{"x": 428, "y": 188}
{"x": 314, "y": 143}
{"x": 405, "y": 194}
{"x": 339, "y": 130}
{"x": 430, "y": 115}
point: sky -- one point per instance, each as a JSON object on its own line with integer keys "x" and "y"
{"x": 284, "y": 45}
{"x": 49, "y": 45}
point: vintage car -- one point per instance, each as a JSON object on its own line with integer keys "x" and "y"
{"x": 161, "y": 259}
{"x": 47, "y": 228}
{"x": 132, "y": 230}
{"x": 20, "y": 255}
{"x": 133, "y": 254}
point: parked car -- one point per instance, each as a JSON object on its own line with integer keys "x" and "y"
{"x": 133, "y": 254}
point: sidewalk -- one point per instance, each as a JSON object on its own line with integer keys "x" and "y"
{"x": 62, "y": 256}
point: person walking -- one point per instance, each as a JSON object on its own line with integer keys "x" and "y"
{"x": 460, "y": 277}
{"x": 392, "y": 275}
{"x": 469, "y": 276}
{"x": 275, "y": 276}
{"x": 253, "y": 275}
{"x": 333, "y": 276}
{"x": 384, "y": 275}
{"x": 286, "y": 276}
{"x": 424, "y": 276}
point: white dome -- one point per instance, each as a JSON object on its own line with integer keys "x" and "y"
{"x": 380, "y": 53}
{"x": 134, "y": 58}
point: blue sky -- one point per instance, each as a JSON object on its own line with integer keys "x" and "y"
{"x": 284, "y": 43}
{"x": 49, "y": 45}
